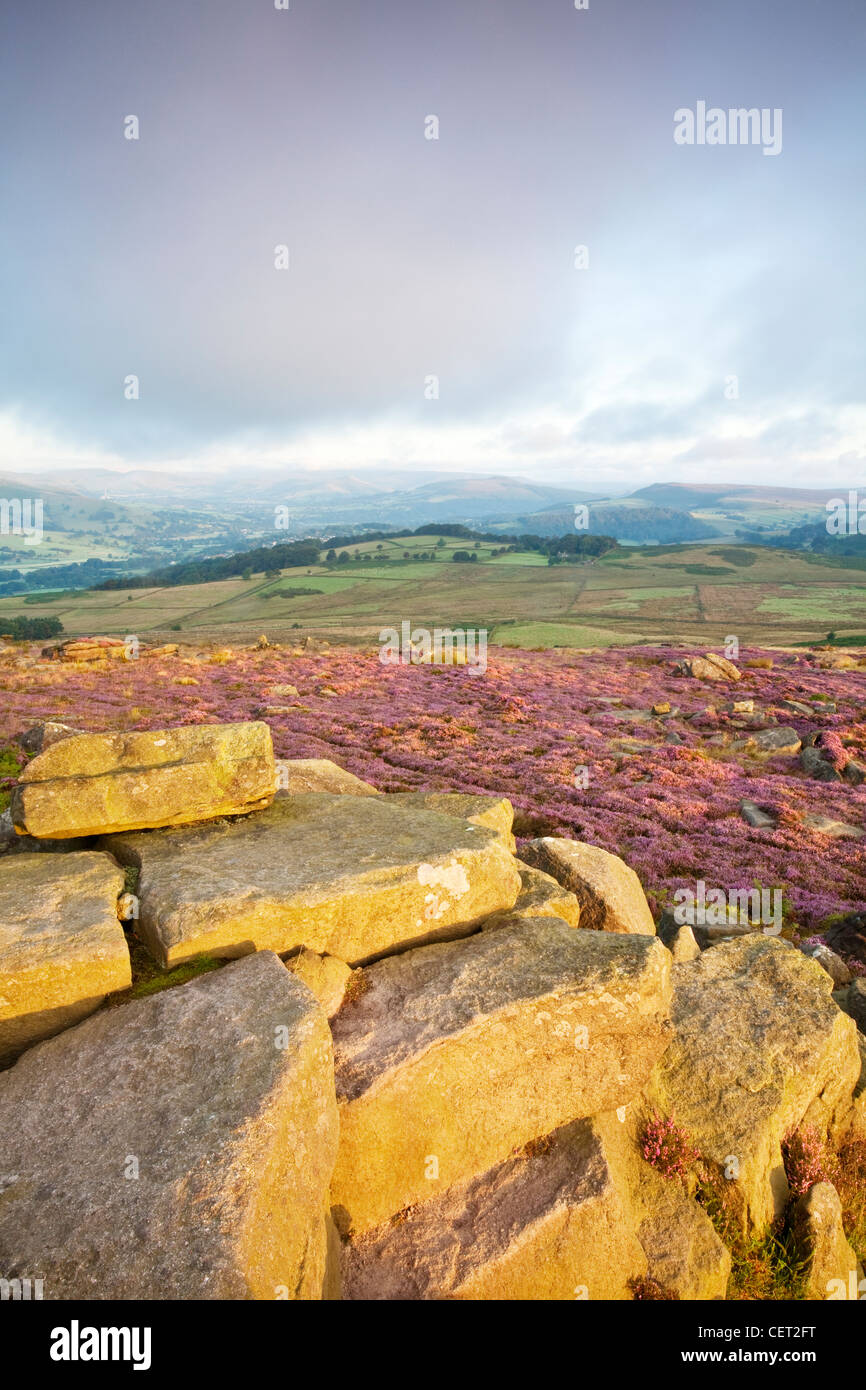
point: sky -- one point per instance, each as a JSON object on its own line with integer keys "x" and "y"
{"x": 435, "y": 312}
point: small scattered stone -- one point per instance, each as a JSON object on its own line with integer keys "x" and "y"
{"x": 776, "y": 741}
{"x": 754, "y": 816}
{"x": 851, "y": 999}
{"x": 835, "y": 829}
{"x": 710, "y": 667}
{"x": 541, "y": 895}
{"x": 829, "y": 961}
{"x": 326, "y": 977}
{"x": 848, "y": 937}
{"x": 42, "y": 736}
{"x": 683, "y": 946}
{"x": 814, "y": 764}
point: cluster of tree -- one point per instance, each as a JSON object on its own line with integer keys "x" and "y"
{"x": 86, "y": 574}
{"x": 817, "y": 538}
{"x": 575, "y": 548}
{"x": 11, "y": 581}
{"x": 575, "y": 543}
{"x": 268, "y": 559}
{"x": 21, "y": 629}
{"x": 292, "y": 554}
{"x": 453, "y": 529}
{"x": 344, "y": 558}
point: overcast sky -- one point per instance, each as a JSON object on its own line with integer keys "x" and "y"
{"x": 454, "y": 258}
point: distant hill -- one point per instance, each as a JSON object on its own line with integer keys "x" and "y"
{"x": 139, "y": 519}
{"x": 338, "y": 497}
{"x": 688, "y": 495}
{"x": 489, "y": 496}
{"x": 65, "y": 507}
{"x": 626, "y": 521}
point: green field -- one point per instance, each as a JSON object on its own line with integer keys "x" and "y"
{"x": 654, "y": 593}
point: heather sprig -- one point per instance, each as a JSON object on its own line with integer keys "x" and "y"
{"x": 807, "y": 1159}
{"x": 667, "y": 1147}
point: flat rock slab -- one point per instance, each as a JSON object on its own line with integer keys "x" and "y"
{"x": 609, "y": 892}
{"x": 492, "y": 812}
{"x": 93, "y": 784}
{"x": 546, "y": 1224}
{"x": 298, "y": 775}
{"x": 62, "y": 948}
{"x": 758, "y": 1039}
{"x": 344, "y": 876}
{"x": 176, "y": 1147}
{"x": 460, "y": 1052}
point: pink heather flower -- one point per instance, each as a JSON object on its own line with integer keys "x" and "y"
{"x": 832, "y": 750}
{"x": 665, "y": 1145}
{"x": 672, "y": 811}
{"x": 807, "y": 1159}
